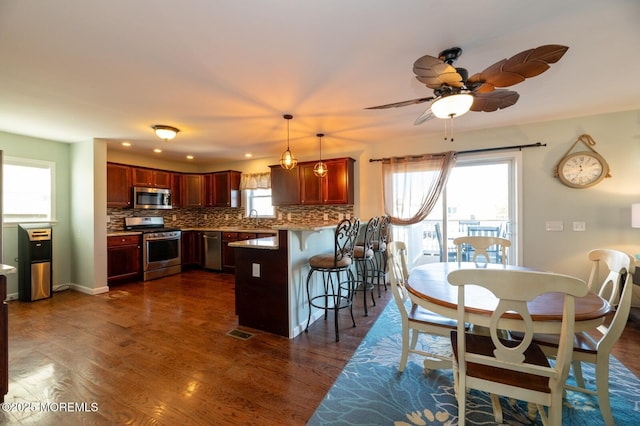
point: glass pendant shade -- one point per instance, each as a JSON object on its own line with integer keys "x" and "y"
{"x": 287, "y": 160}
{"x": 320, "y": 168}
{"x": 452, "y": 105}
{"x": 165, "y": 132}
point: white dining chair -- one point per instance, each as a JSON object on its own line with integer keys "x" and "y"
{"x": 515, "y": 369}
{"x": 595, "y": 347}
{"x": 482, "y": 246}
{"x": 415, "y": 319}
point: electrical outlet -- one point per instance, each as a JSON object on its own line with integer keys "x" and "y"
{"x": 340, "y": 216}
{"x": 279, "y": 215}
{"x": 289, "y": 217}
{"x": 325, "y": 217}
{"x": 108, "y": 219}
{"x": 255, "y": 270}
{"x": 205, "y": 217}
{"x": 173, "y": 217}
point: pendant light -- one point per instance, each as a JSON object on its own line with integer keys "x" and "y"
{"x": 320, "y": 169}
{"x": 288, "y": 161}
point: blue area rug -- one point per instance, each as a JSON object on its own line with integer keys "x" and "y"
{"x": 371, "y": 391}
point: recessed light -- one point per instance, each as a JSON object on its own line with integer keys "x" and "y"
{"x": 158, "y": 151}
{"x": 189, "y": 157}
{"x": 126, "y": 144}
{"x": 248, "y": 155}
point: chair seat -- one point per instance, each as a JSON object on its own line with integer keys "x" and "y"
{"x": 359, "y": 253}
{"x": 419, "y": 314}
{"x": 328, "y": 261}
{"x": 582, "y": 342}
{"x": 483, "y": 345}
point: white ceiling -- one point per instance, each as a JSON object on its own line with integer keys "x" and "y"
{"x": 225, "y": 71}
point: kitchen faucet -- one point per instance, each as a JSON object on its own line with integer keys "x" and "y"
{"x": 251, "y": 213}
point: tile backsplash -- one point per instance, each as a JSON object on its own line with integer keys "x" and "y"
{"x": 222, "y": 216}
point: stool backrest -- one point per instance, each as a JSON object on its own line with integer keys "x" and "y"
{"x": 345, "y": 237}
{"x": 383, "y": 229}
{"x": 370, "y": 232}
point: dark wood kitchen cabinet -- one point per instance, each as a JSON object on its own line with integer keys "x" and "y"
{"x": 223, "y": 189}
{"x": 285, "y": 186}
{"x": 123, "y": 257}
{"x": 228, "y": 254}
{"x": 191, "y": 248}
{"x": 118, "y": 185}
{"x": 337, "y": 187}
{"x": 150, "y": 177}
{"x": 176, "y": 190}
{"x": 192, "y": 190}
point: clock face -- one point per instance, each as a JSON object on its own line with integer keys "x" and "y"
{"x": 582, "y": 169}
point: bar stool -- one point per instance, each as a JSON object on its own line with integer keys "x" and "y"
{"x": 335, "y": 295}
{"x": 380, "y": 252}
{"x": 363, "y": 256}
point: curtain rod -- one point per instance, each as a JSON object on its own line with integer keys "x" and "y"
{"x": 472, "y": 151}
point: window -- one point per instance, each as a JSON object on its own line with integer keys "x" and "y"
{"x": 28, "y": 190}
{"x": 259, "y": 200}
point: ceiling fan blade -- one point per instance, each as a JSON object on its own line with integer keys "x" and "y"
{"x": 403, "y": 103}
{"x": 425, "y": 116}
{"x": 493, "y": 101}
{"x": 526, "y": 64}
{"x": 434, "y": 73}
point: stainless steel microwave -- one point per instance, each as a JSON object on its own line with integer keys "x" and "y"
{"x": 151, "y": 198}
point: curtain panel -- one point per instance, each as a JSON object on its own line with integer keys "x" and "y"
{"x": 255, "y": 180}
{"x": 411, "y": 185}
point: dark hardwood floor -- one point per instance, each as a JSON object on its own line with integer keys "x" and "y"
{"x": 158, "y": 353}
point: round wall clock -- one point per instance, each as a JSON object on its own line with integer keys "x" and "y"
{"x": 582, "y": 169}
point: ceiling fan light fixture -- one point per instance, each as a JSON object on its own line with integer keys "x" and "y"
{"x": 165, "y": 133}
{"x": 452, "y": 105}
{"x": 320, "y": 168}
{"x": 287, "y": 160}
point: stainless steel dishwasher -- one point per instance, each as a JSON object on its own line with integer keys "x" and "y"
{"x": 213, "y": 250}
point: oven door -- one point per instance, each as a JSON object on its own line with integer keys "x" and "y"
{"x": 161, "y": 252}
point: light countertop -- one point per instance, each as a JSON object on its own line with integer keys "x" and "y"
{"x": 266, "y": 243}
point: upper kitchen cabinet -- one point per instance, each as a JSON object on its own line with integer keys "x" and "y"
{"x": 223, "y": 189}
{"x": 176, "y": 190}
{"x": 338, "y": 184}
{"x": 192, "y": 190}
{"x": 337, "y": 187}
{"x": 150, "y": 177}
{"x": 118, "y": 185}
{"x": 285, "y": 186}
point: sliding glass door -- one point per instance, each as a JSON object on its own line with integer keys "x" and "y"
{"x": 481, "y": 196}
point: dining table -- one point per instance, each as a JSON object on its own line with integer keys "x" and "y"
{"x": 429, "y": 287}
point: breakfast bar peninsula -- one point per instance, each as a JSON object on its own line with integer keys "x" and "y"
{"x": 270, "y": 277}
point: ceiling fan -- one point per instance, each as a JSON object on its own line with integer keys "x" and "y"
{"x": 455, "y": 93}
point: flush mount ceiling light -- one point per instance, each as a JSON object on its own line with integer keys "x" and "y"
{"x": 320, "y": 168}
{"x": 165, "y": 132}
{"x": 288, "y": 161}
{"x": 452, "y": 105}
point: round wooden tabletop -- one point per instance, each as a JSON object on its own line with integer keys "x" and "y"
{"x": 429, "y": 283}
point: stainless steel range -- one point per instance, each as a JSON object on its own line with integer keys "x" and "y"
{"x": 161, "y": 254}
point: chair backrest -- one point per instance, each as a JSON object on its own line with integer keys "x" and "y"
{"x": 514, "y": 288}
{"x": 621, "y": 267}
{"x": 617, "y": 264}
{"x": 383, "y": 229}
{"x": 345, "y": 238}
{"x": 463, "y": 225}
{"x": 398, "y": 274}
{"x": 482, "y": 246}
{"x": 486, "y": 231}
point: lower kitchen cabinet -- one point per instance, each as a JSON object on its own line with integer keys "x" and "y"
{"x": 123, "y": 257}
{"x": 228, "y": 254}
{"x": 191, "y": 248}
